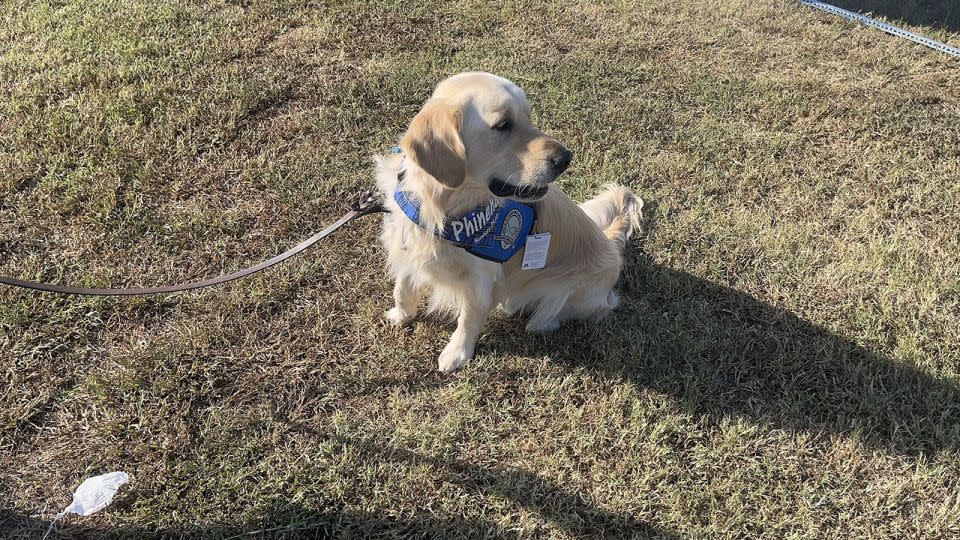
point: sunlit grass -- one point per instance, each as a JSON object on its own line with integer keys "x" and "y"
{"x": 784, "y": 363}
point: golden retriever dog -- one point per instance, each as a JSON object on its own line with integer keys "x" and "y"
{"x": 470, "y": 153}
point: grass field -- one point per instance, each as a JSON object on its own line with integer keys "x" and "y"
{"x": 784, "y": 365}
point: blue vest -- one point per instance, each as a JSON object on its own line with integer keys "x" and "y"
{"x": 495, "y": 231}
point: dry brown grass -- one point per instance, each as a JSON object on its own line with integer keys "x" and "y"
{"x": 784, "y": 365}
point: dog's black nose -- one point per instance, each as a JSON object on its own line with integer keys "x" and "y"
{"x": 561, "y": 160}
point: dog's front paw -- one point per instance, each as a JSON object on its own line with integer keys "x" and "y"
{"x": 454, "y": 356}
{"x": 398, "y": 316}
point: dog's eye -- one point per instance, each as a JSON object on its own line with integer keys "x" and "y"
{"x": 503, "y": 125}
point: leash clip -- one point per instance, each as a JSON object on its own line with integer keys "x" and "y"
{"x": 369, "y": 202}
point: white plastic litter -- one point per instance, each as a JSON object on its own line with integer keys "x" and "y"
{"x": 93, "y": 495}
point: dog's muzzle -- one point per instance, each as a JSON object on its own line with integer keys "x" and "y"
{"x": 558, "y": 162}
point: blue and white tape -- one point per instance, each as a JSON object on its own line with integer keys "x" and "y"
{"x": 888, "y": 28}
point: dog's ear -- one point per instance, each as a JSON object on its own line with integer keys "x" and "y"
{"x": 433, "y": 142}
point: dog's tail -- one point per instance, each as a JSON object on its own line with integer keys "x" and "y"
{"x": 617, "y": 211}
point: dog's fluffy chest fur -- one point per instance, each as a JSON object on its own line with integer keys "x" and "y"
{"x": 430, "y": 263}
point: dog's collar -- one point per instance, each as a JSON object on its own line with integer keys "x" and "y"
{"x": 501, "y": 188}
{"x": 495, "y": 231}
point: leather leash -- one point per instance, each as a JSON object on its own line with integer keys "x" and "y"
{"x": 368, "y": 203}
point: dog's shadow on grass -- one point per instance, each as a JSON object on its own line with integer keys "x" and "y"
{"x": 721, "y": 352}
{"x": 565, "y": 509}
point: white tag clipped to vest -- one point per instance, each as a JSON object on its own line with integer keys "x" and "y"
{"x": 535, "y": 251}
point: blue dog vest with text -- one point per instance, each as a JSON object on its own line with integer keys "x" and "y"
{"x": 495, "y": 231}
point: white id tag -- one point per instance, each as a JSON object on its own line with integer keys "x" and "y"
{"x": 535, "y": 251}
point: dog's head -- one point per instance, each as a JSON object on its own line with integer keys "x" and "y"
{"x": 476, "y": 129}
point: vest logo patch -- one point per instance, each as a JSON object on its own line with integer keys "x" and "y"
{"x": 510, "y": 231}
